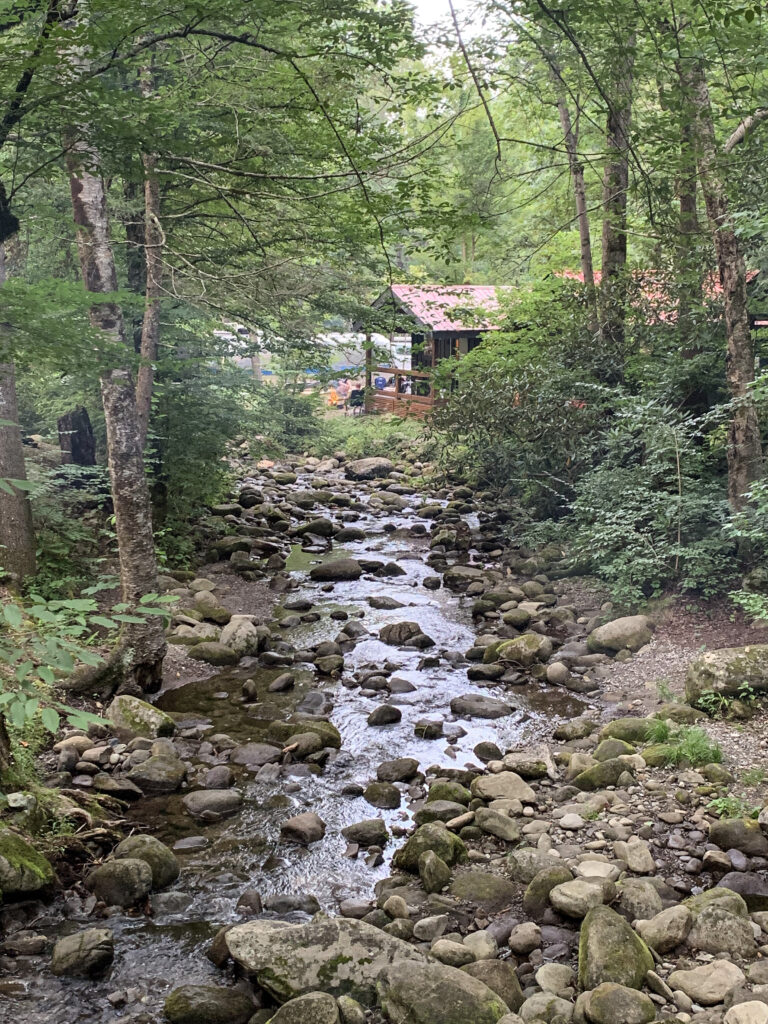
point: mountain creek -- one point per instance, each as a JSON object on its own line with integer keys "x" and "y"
{"x": 400, "y": 792}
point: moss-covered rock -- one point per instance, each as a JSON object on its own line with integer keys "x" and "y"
{"x": 605, "y": 773}
{"x": 726, "y": 671}
{"x": 613, "y": 747}
{"x": 431, "y": 993}
{"x": 536, "y": 896}
{"x": 22, "y": 868}
{"x": 131, "y": 717}
{"x": 500, "y": 977}
{"x": 631, "y": 730}
{"x": 611, "y": 1003}
{"x": 445, "y": 789}
{"x": 86, "y": 954}
{"x": 656, "y": 755}
{"x": 739, "y": 834}
{"x": 483, "y": 889}
{"x": 314, "y": 1007}
{"x": 435, "y": 837}
{"x": 524, "y": 650}
{"x": 609, "y": 950}
{"x": 726, "y": 899}
{"x": 161, "y": 860}
{"x": 327, "y": 732}
{"x": 207, "y": 1004}
{"x": 631, "y": 632}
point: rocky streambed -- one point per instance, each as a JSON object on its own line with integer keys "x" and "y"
{"x": 396, "y": 796}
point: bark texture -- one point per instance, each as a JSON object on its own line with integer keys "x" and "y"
{"x": 17, "y": 535}
{"x": 76, "y": 440}
{"x": 615, "y": 186}
{"x": 745, "y": 456}
{"x": 142, "y": 645}
{"x": 150, "y": 328}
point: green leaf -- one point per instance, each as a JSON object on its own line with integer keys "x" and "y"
{"x": 13, "y": 615}
{"x": 50, "y": 719}
{"x": 102, "y": 620}
{"x": 46, "y": 674}
{"x": 17, "y": 713}
{"x": 5, "y": 487}
{"x": 129, "y": 618}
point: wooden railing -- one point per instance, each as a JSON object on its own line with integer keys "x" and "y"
{"x": 407, "y": 392}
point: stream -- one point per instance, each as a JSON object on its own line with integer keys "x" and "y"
{"x": 220, "y": 862}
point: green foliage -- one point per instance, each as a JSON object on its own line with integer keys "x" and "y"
{"x": 717, "y": 705}
{"x": 371, "y": 435}
{"x": 659, "y": 730}
{"x": 43, "y": 640}
{"x": 732, "y": 807}
{"x": 689, "y": 744}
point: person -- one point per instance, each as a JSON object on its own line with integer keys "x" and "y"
{"x": 333, "y": 397}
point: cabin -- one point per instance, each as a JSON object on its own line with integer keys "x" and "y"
{"x": 429, "y": 324}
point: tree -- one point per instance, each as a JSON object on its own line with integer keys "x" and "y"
{"x": 17, "y": 536}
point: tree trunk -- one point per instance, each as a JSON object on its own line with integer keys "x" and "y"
{"x": 745, "y": 456}
{"x": 615, "y": 186}
{"x": 142, "y": 645}
{"x": 76, "y": 440}
{"x": 150, "y": 329}
{"x": 17, "y": 535}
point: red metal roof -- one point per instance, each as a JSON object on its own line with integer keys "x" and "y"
{"x": 450, "y": 307}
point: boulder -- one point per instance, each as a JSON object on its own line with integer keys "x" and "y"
{"x": 544, "y": 1006}
{"x": 576, "y": 898}
{"x": 739, "y": 834}
{"x": 304, "y": 828}
{"x": 477, "y": 705}
{"x": 398, "y": 633}
{"x": 716, "y": 930}
{"x": 209, "y": 605}
{"x": 256, "y": 754}
{"x": 208, "y": 1004}
{"x": 503, "y": 786}
{"x": 368, "y": 469}
{"x": 158, "y": 774}
{"x": 435, "y": 837}
{"x": 121, "y": 883}
{"x": 631, "y": 730}
{"x": 751, "y": 1012}
{"x": 433, "y": 872}
{"x": 22, "y": 869}
{"x": 601, "y": 775}
{"x": 750, "y": 886}
{"x": 243, "y": 637}
{"x": 500, "y": 977}
{"x": 497, "y": 824}
{"x": 415, "y": 992}
{"x": 337, "y": 570}
{"x": 372, "y": 832}
{"x": 631, "y": 632}
{"x": 213, "y": 653}
{"x": 536, "y": 896}
{"x": 482, "y": 889}
{"x": 611, "y": 1004}
{"x": 86, "y": 954}
{"x": 132, "y": 717}
{"x": 523, "y": 650}
{"x": 213, "y": 804}
{"x": 334, "y": 955}
{"x": 314, "y": 1007}
{"x": 725, "y": 671}
{"x": 610, "y": 951}
{"x": 666, "y": 930}
{"x": 709, "y": 984}
{"x": 162, "y": 862}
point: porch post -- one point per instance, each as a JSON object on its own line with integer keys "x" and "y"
{"x": 368, "y": 393}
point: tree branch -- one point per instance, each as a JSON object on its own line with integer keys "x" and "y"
{"x": 744, "y": 127}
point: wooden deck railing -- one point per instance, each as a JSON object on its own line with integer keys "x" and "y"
{"x": 406, "y": 393}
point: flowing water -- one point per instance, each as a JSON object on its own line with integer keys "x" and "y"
{"x": 155, "y": 953}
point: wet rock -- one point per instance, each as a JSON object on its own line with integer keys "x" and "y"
{"x": 158, "y": 774}
{"x": 383, "y": 795}
{"x": 330, "y": 664}
{"x": 334, "y": 955}
{"x": 610, "y": 1003}
{"x": 477, "y": 705}
{"x": 316, "y": 1007}
{"x": 610, "y": 951}
{"x": 427, "y": 729}
{"x": 213, "y": 653}
{"x": 401, "y": 769}
{"x": 438, "y": 810}
{"x": 23, "y": 870}
{"x": 255, "y": 754}
{"x": 372, "y": 832}
{"x": 303, "y": 828}
{"x": 709, "y": 984}
{"x": 435, "y": 837}
{"x": 283, "y": 683}
{"x": 219, "y": 777}
{"x": 385, "y": 714}
{"x": 428, "y": 993}
{"x": 162, "y": 862}
{"x": 131, "y": 717}
{"x": 286, "y": 903}
{"x": 384, "y": 602}
{"x": 500, "y": 977}
{"x": 86, "y": 954}
{"x": 337, "y": 570}
{"x": 121, "y": 883}
{"x": 207, "y": 1004}
{"x": 368, "y": 469}
{"x": 446, "y": 789}
{"x": 213, "y": 804}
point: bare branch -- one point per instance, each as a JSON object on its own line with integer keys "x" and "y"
{"x": 744, "y": 127}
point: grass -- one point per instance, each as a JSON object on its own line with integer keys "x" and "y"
{"x": 659, "y": 730}
{"x": 732, "y": 807}
{"x": 689, "y": 744}
{"x": 753, "y": 777}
